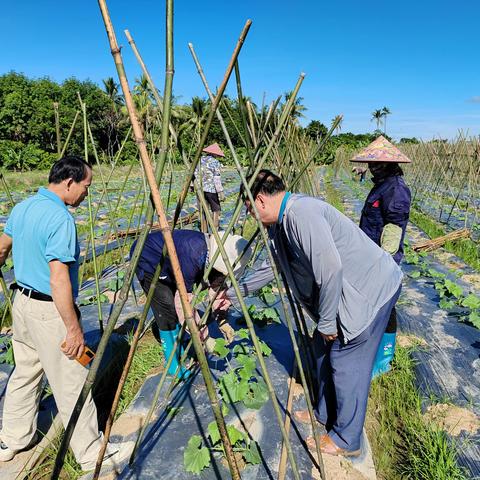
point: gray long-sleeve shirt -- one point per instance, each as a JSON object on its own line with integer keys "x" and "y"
{"x": 340, "y": 276}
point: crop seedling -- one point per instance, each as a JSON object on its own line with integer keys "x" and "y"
{"x": 90, "y": 298}
{"x": 197, "y": 456}
{"x": 6, "y": 350}
{"x": 267, "y": 295}
{"x": 264, "y": 316}
{"x": 240, "y": 384}
{"x": 116, "y": 283}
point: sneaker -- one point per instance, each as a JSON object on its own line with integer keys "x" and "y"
{"x": 6, "y": 454}
{"x": 115, "y": 455}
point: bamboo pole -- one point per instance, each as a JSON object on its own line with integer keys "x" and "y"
{"x": 209, "y": 120}
{"x": 7, "y": 190}
{"x": 70, "y": 132}
{"x": 282, "y": 465}
{"x": 165, "y": 228}
{"x": 243, "y": 115}
{"x": 91, "y": 222}
{"x": 57, "y": 128}
{"x": 244, "y": 308}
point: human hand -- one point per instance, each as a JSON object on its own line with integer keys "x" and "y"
{"x": 329, "y": 338}
{"x": 222, "y": 303}
{"x": 74, "y": 343}
{"x": 221, "y": 196}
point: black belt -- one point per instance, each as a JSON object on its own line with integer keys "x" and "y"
{"x": 32, "y": 293}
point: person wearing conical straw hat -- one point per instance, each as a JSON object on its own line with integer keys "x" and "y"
{"x": 194, "y": 250}
{"x": 384, "y": 219}
{"x": 211, "y": 180}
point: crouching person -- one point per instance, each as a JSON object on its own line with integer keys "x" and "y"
{"x": 346, "y": 283}
{"x": 194, "y": 251}
{"x": 47, "y": 330}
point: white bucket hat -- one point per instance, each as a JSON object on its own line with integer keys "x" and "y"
{"x": 234, "y": 246}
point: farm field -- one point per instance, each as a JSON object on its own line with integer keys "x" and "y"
{"x": 432, "y": 311}
{"x": 242, "y": 339}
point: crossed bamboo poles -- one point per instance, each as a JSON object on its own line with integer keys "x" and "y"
{"x": 153, "y": 179}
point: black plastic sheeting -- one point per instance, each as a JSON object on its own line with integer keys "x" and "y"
{"x": 161, "y": 452}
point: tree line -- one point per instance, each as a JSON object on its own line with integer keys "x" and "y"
{"x": 31, "y": 110}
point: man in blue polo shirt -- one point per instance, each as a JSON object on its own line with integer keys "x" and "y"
{"x": 47, "y": 332}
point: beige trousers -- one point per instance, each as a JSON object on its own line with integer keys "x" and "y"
{"x": 38, "y": 332}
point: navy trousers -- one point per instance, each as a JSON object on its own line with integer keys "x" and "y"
{"x": 344, "y": 373}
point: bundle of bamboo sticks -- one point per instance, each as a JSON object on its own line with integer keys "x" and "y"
{"x": 434, "y": 243}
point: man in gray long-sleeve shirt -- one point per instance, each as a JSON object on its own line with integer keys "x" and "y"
{"x": 346, "y": 283}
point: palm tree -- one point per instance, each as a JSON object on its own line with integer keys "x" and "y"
{"x": 298, "y": 108}
{"x": 385, "y": 111}
{"x": 377, "y": 116}
{"x": 111, "y": 89}
{"x": 339, "y": 120}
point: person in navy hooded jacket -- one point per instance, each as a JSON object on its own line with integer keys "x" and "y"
{"x": 384, "y": 219}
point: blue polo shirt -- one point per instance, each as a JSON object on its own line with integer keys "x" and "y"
{"x": 42, "y": 230}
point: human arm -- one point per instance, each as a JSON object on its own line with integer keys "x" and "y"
{"x": 395, "y": 213}
{"x": 61, "y": 288}
{"x": 217, "y": 179}
{"x": 5, "y": 247}
{"x": 253, "y": 282}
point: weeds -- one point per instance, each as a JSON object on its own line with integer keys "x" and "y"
{"x": 71, "y": 469}
{"x": 466, "y": 249}
{"x": 147, "y": 360}
{"x": 332, "y": 195}
{"x": 404, "y": 445}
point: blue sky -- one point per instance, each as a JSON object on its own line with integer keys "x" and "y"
{"x": 419, "y": 58}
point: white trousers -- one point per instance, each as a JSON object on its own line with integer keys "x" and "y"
{"x": 38, "y": 332}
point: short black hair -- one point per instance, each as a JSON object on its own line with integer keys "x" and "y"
{"x": 266, "y": 182}
{"x": 71, "y": 166}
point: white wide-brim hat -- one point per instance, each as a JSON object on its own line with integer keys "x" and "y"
{"x": 234, "y": 246}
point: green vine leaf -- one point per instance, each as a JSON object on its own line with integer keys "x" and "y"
{"x": 453, "y": 288}
{"x": 474, "y": 319}
{"x": 231, "y": 389}
{"x": 196, "y": 457}
{"x": 471, "y": 301}
{"x": 248, "y": 367}
{"x": 243, "y": 334}
{"x": 257, "y": 395}
{"x": 252, "y": 454}
{"x": 220, "y": 348}
{"x": 446, "y": 304}
{"x": 234, "y": 434}
{"x": 266, "y": 350}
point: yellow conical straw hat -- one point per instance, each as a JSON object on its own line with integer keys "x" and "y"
{"x": 381, "y": 150}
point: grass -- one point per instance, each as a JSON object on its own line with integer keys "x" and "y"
{"x": 147, "y": 361}
{"x": 332, "y": 195}
{"x": 466, "y": 249}
{"x": 113, "y": 257}
{"x": 404, "y": 445}
{"x": 71, "y": 469}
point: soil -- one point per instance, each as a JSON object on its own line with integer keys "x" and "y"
{"x": 407, "y": 341}
{"x": 337, "y": 468}
{"x": 111, "y": 296}
{"x": 452, "y": 419}
{"x": 298, "y": 390}
{"x": 127, "y": 424}
{"x": 473, "y": 279}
